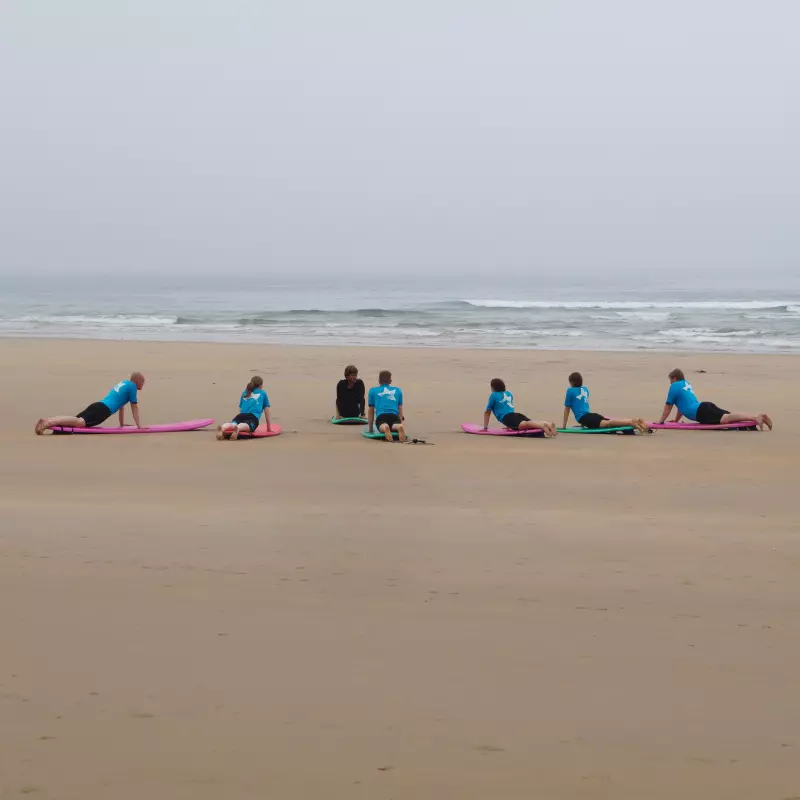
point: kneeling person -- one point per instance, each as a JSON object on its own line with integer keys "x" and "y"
{"x": 386, "y": 408}
{"x": 577, "y": 401}
{"x": 96, "y": 413}
{"x": 681, "y": 394}
{"x": 501, "y": 403}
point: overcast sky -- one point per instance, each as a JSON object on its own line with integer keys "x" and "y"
{"x": 423, "y": 137}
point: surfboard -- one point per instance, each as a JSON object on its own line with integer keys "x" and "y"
{"x": 376, "y": 434}
{"x": 750, "y": 425}
{"x": 261, "y": 432}
{"x": 348, "y": 421}
{"x": 469, "y": 427}
{"x": 173, "y": 427}
{"x": 625, "y": 429}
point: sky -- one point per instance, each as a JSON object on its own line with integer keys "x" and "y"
{"x": 406, "y": 141}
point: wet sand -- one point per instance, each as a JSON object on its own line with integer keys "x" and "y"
{"x": 318, "y": 615}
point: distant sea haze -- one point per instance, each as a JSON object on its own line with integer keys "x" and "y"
{"x": 562, "y": 319}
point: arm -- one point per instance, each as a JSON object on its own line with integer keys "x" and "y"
{"x": 371, "y": 418}
{"x": 665, "y": 413}
{"x": 487, "y": 415}
{"x": 566, "y": 416}
{"x": 135, "y": 410}
{"x": 122, "y": 417}
{"x": 268, "y": 418}
{"x": 362, "y": 401}
{"x": 400, "y": 413}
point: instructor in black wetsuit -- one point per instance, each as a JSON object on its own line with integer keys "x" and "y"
{"x": 350, "y": 395}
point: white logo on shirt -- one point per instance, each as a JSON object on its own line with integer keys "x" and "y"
{"x": 509, "y": 400}
{"x": 387, "y": 392}
{"x": 583, "y": 394}
{"x": 118, "y": 387}
{"x": 687, "y": 387}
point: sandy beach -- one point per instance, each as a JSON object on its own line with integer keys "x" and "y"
{"x": 321, "y": 616}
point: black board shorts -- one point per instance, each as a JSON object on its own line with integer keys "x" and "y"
{"x": 95, "y": 414}
{"x": 247, "y": 419}
{"x": 387, "y": 419}
{"x": 709, "y": 414}
{"x": 513, "y": 420}
{"x": 591, "y": 420}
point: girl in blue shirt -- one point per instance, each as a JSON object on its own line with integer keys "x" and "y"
{"x": 577, "y": 401}
{"x": 252, "y": 403}
{"x": 501, "y": 402}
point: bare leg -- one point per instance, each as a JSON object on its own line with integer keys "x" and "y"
{"x": 59, "y": 422}
{"x": 637, "y": 423}
{"x": 549, "y": 428}
{"x": 386, "y": 430}
{"x": 760, "y": 419}
{"x": 401, "y": 431}
{"x": 225, "y": 429}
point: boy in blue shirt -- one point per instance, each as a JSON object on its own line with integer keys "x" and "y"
{"x": 252, "y": 403}
{"x": 681, "y": 394}
{"x": 96, "y": 413}
{"x": 577, "y": 401}
{"x": 501, "y": 403}
{"x": 386, "y": 408}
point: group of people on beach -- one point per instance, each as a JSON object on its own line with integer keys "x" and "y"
{"x": 383, "y": 405}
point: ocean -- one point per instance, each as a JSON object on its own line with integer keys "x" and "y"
{"x": 600, "y": 316}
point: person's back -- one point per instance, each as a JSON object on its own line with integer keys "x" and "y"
{"x": 577, "y": 399}
{"x": 681, "y": 394}
{"x": 386, "y": 407}
{"x": 501, "y": 404}
{"x": 124, "y": 392}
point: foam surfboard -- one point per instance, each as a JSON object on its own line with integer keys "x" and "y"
{"x": 173, "y": 427}
{"x": 750, "y": 425}
{"x": 261, "y": 432}
{"x": 469, "y": 427}
{"x": 349, "y": 421}
{"x": 376, "y": 434}
{"x": 625, "y": 429}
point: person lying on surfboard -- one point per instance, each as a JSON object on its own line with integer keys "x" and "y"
{"x": 386, "y": 408}
{"x": 577, "y": 401}
{"x": 501, "y": 402}
{"x": 350, "y": 395}
{"x": 252, "y": 403}
{"x": 96, "y": 413}
{"x": 681, "y": 394}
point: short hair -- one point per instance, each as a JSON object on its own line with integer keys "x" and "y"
{"x": 498, "y": 385}
{"x": 677, "y": 374}
{"x": 384, "y": 377}
{"x": 350, "y": 370}
{"x": 576, "y": 379}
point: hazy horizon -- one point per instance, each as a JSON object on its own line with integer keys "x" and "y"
{"x": 434, "y": 140}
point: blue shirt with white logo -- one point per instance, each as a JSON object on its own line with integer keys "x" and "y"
{"x": 255, "y": 403}
{"x": 682, "y": 395}
{"x": 385, "y": 399}
{"x": 500, "y": 403}
{"x": 578, "y": 400}
{"x": 124, "y": 392}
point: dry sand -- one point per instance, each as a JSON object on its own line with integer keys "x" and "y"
{"x": 320, "y": 616}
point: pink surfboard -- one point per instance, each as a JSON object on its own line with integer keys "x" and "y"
{"x": 694, "y": 426}
{"x": 173, "y": 427}
{"x": 469, "y": 427}
{"x": 262, "y": 433}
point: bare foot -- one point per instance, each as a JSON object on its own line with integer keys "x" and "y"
{"x": 386, "y": 430}
{"x": 642, "y": 426}
{"x": 401, "y": 433}
{"x": 234, "y": 434}
{"x": 764, "y": 419}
